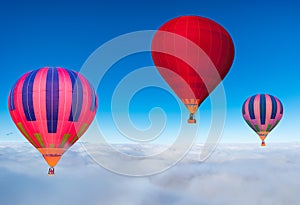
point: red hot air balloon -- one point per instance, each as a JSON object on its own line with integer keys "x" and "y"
{"x": 52, "y": 108}
{"x": 193, "y": 54}
{"x": 262, "y": 113}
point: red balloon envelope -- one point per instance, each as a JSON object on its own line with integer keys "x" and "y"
{"x": 193, "y": 54}
{"x": 52, "y": 108}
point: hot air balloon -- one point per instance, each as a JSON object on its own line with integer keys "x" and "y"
{"x": 52, "y": 108}
{"x": 193, "y": 54}
{"x": 262, "y": 113}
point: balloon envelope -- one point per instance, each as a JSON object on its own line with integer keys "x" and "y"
{"x": 52, "y": 108}
{"x": 194, "y": 66}
{"x": 262, "y": 112}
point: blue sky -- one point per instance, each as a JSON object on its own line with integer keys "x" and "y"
{"x": 64, "y": 33}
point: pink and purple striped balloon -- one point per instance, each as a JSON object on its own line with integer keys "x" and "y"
{"x": 52, "y": 108}
{"x": 262, "y": 112}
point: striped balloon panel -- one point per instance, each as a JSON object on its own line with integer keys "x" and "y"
{"x": 262, "y": 112}
{"x": 52, "y": 107}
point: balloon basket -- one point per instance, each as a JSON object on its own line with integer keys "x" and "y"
{"x": 51, "y": 171}
{"x": 191, "y": 121}
{"x": 263, "y": 144}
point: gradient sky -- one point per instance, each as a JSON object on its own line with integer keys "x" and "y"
{"x": 64, "y": 33}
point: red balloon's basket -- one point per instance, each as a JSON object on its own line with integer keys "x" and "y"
{"x": 191, "y": 121}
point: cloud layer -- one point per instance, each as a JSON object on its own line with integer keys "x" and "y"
{"x": 234, "y": 174}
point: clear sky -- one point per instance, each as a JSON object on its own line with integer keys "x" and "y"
{"x": 64, "y": 33}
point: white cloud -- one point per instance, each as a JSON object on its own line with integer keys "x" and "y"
{"x": 234, "y": 174}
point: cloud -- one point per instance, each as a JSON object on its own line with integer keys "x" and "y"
{"x": 234, "y": 174}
